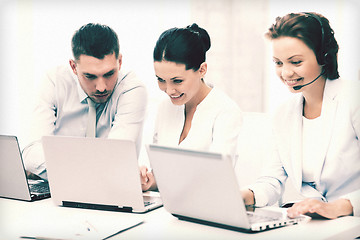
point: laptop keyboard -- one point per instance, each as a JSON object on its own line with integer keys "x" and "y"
{"x": 39, "y": 188}
{"x": 256, "y": 218}
{"x": 147, "y": 203}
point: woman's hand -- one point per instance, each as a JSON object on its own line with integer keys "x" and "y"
{"x": 330, "y": 210}
{"x": 248, "y": 196}
{"x": 147, "y": 179}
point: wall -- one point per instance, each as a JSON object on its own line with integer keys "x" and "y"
{"x": 35, "y": 35}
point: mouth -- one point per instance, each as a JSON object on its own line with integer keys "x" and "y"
{"x": 177, "y": 97}
{"x": 101, "y": 96}
{"x": 292, "y": 82}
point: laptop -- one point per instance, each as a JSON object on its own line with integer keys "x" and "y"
{"x": 95, "y": 173}
{"x": 202, "y": 187}
{"x": 13, "y": 180}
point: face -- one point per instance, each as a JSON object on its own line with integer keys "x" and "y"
{"x": 181, "y": 85}
{"x": 295, "y": 63}
{"x": 97, "y": 77}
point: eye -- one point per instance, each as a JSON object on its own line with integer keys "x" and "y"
{"x": 109, "y": 74}
{"x": 90, "y": 77}
{"x": 177, "y": 81}
{"x": 277, "y": 63}
{"x": 296, "y": 62}
{"x": 160, "y": 80}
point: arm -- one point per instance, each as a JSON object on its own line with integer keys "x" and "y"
{"x": 43, "y": 123}
{"x": 130, "y": 114}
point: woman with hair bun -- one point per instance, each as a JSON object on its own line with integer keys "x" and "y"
{"x": 196, "y": 115}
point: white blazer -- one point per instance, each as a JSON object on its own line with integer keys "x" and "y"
{"x": 337, "y": 174}
{"x": 215, "y": 126}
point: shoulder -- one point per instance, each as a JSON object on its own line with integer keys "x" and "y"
{"x": 290, "y": 108}
{"x": 220, "y": 99}
{"x": 129, "y": 81}
{"x": 60, "y": 75}
{"x": 342, "y": 90}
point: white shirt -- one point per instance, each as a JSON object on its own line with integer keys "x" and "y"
{"x": 311, "y": 141}
{"x": 215, "y": 125}
{"x": 63, "y": 110}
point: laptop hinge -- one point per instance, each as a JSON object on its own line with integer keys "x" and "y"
{"x": 97, "y": 206}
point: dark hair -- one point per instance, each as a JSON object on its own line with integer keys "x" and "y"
{"x": 95, "y": 40}
{"x": 183, "y": 45}
{"x": 315, "y": 31}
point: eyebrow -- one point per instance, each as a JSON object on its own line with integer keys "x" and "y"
{"x": 275, "y": 58}
{"x": 109, "y": 72}
{"x": 294, "y": 56}
{"x": 173, "y": 78}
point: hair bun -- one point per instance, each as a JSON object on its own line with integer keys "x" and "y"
{"x": 203, "y": 34}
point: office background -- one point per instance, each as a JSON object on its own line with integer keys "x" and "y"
{"x": 35, "y": 36}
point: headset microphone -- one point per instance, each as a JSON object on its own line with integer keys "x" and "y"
{"x": 301, "y": 86}
{"x": 321, "y": 50}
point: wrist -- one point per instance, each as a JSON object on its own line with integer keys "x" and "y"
{"x": 248, "y": 196}
{"x": 343, "y": 207}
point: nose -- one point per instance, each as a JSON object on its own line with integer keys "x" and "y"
{"x": 170, "y": 90}
{"x": 287, "y": 72}
{"x": 167, "y": 88}
{"x": 100, "y": 85}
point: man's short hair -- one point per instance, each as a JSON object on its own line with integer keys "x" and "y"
{"x": 95, "y": 40}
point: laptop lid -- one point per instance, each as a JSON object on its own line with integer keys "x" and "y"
{"x": 202, "y": 187}
{"x": 94, "y": 173}
{"x": 13, "y": 181}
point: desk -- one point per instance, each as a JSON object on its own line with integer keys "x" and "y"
{"x": 19, "y": 216}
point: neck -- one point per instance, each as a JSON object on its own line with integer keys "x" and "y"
{"x": 313, "y": 98}
{"x": 200, "y": 96}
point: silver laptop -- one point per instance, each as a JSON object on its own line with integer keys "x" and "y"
{"x": 13, "y": 181}
{"x": 95, "y": 173}
{"x": 202, "y": 187}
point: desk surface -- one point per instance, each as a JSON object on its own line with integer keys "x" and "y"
{"x": 19, "y": 218}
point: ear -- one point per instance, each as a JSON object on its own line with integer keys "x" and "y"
{"x": 120, "y": 60}
{"x": 203, "y": 69}
{"x": 73, "y": 66}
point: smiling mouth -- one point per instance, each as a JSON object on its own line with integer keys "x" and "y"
{"x": 292, "y": 82}
{"x": 175, "y": 97}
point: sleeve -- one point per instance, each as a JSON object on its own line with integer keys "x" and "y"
{"x": 44, "y": 117}
{"x": 42, "y": 123}
{"x": 271, "y": 185}
{"x": 157, "y": 124}
{"x": 130, "y": 114}
{"x": 354, "y": 198}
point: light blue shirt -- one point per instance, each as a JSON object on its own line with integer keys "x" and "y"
{"x": 63, "y": 110}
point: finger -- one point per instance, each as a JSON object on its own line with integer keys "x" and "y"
{"x": 143, "y": 171}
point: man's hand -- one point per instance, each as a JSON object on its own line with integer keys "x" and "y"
{"x": 33, "y": 176}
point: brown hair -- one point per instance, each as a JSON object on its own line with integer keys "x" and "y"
{"x": 315, "y": 31}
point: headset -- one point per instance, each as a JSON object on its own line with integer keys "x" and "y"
{"x": 309, "y": 14}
